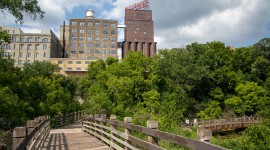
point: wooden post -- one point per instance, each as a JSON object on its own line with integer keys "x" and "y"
{"x": 103, "y": 117}
{"x": 19, "y": 134}
{"x": 113, "y": 127}
{"x": 128, "y": 131}
{"x": 152, "y": 125}
{"x": 30, "y": 124}
{"x": 204, "y": 134}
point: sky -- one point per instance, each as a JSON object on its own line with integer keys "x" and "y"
{"x": 177, "y": 23}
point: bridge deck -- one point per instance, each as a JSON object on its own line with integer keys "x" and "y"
{"x": 72, "y": 138}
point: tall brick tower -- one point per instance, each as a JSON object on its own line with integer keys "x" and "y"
{"x": 139, "y": 30}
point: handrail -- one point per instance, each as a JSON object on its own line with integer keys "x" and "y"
{"x": 106, "y": 130}
{"x": 67, "y": 119}
{"x": 33, "y": 135}
{"x": 229, "y": 123}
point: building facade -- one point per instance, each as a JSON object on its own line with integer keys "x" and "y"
{"x": 139, "y": 32}
{"x": 87, "y": 39}
{"x": 30, "y": 47}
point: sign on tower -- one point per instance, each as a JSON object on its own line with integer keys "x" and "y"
{"x": 144, "y": 5}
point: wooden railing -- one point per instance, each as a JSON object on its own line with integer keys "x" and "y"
{"x": 33, "y": 135}
{"x": 229, "y": 123}
{"x": 67, "y": 119}
{"x": 107, "y": 131}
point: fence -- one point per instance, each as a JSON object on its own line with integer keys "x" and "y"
{"x": 107, "y": 131}
{"x": 229, "y": 123}
{"x": 33, "y": 135}
{"x": 64, "y": 120}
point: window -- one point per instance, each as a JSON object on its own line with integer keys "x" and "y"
{"x": 45, "y": 40}
{"x": 87, "y": 62}
{"x": 28, "y": 54}
{"x": 14, "y": 46}
{"x": 96, "y": 51}
{"x": 21, "y": 47}
{"x": 70, "y": 62}
{"x": 89, "y": 24}
{"x": 81, "y": 51}
{"x": 112, "y": 52}
{"x": 97, "y": 31}
{"x": 29, "y": 47}
{"x": 45, "y": 47}
{"x": 89, "y": 31}
{"x": 73, "y": 23}
{"x": 78, "y": 68}
{"x": 73, "y": 44}
{"x": 105, "y": 45}
{"x": 81, "y": 44}
{"x": 97, "y": 39}
{"x": 96, "y": 45}
{"x": 13, "y": 31}
{"x": 36, "y": 47}
{"x": 144, "y": 32}
{"x": 44, "y": 54}
{"x": 29, "y": 39}
{"x": 89, "y": 51}
{"x": 105, "y": 31}
{"x": 36, "y": 54}
{"x": 112, "y": 39}
{"x": 69, "y": 68}
{"x": 89, "y": 45}
{"x": 81, "y": 38}
{"x": 21, "y": 54}
{"x": 97, "y": 24}
{"x": 113, "y": 32}
{"x": 73, "y": 38}
{"x": 20, "y": 62}
{"x": 60, "y": 62}
{"x": 112, "y": 46}
{"x": 81, "y": 23}
{"x": 105, "y": 24}
{"x": 60, "y": 68}
{"x": 105, "y": 52}
{"x": 105, "y": 39}
{"x": 112, "y": 25}
{"x": 6, "y": 46}
{"x": 28, "y": 61}
{"x": 73, "y": 30}
{"x": 14, "y": 54}
{"x": 22, "y": 39}
{"x": 89, "y": 38}
{"x": 37, "y": 39}
{"x": 13, "y": 38}
{"x": 78, "y": 62}
{"x": 81, "y": 31}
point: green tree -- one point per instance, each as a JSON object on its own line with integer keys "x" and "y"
{"x": 19, "y": 8}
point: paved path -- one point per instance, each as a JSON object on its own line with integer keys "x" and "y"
{"x": 72, "y": 138}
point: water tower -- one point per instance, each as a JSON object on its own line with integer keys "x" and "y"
{"x": 89, "y": 13}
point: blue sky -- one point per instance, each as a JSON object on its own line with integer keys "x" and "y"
{"x": 177, "y": 22}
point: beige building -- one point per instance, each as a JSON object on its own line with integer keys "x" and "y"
{"x": 30, "y": 47}
{"x": 87, "y": 39}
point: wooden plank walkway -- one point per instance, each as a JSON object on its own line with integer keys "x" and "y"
{"x": 72, "y": 138}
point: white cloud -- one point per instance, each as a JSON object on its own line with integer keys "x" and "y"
{"x": 176, "y": 23}
{"x": 235, "y": 25}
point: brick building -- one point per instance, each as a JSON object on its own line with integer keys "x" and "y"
{"x": 30, "y": 47}
{"x": 139, "y": 32}
{"x": 86, "y": 39}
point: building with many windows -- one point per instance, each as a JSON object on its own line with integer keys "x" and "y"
{"x": 30, "y": 47}
{"x": 86, "y": 39}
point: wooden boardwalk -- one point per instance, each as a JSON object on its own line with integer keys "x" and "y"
{"x": 72, "y": 138}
